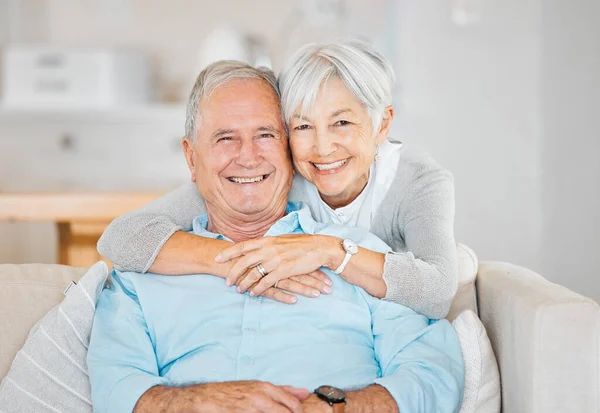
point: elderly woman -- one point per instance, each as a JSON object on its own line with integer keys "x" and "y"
{"x": 336, "y": 103}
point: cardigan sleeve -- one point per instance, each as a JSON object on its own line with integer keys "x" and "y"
{"x": 133, "y": 241}
{"x": 424, "y": 277}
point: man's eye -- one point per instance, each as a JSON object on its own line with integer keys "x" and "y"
{"x": 341, "y": 123}
{"x": 224, "y": 139}
{"x": 267, "y": 135}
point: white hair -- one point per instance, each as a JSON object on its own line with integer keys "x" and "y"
{"x": 365, "y": 72}
{"x": 214, "y": 76}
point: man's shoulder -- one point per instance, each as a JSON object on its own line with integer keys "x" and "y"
{"x": 125, "y": 280}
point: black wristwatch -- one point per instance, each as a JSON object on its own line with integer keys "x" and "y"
{"x": 333, "y": 396}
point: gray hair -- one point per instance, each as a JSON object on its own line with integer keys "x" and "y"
{"x": 214, "y": 76}
{"x": 365, "y": 72}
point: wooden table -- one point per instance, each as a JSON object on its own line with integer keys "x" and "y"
{"x": 80, "y": 217}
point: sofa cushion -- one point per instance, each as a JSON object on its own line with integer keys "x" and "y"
{"x": 482, "y": 379}
{"x": 466, "y": 296}
{"x": 50, "y": 372}
{"x": 27, "y": 292}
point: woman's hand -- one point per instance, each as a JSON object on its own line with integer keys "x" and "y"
{"x": 290, "y": 261}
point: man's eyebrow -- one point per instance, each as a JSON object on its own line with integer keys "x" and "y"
{"x": 271, "y": 129}
{"x": 220, "y": 132}
{"x": 339, "y": 112}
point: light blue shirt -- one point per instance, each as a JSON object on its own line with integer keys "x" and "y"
{"x": 153, "y": 330}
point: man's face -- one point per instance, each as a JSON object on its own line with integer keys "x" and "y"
{"x": 241, "y": 162}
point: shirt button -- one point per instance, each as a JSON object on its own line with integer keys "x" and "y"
{"x": 248, "y": 329}
{"x": 245, "y": 358}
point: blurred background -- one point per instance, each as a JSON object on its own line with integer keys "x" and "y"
{"x": 504, "y": 93}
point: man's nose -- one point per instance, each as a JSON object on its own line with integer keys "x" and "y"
{"x": 249, "y": 156}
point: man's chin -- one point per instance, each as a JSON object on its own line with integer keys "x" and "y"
{"x": 250, "y": 208}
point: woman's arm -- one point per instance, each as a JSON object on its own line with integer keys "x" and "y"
{"x": 425, "y": 277}
{"x": 153, "y": 239}
{"x": 133, "y": 241}
{"x": 365, "y": 268}
{"x": 288, "y": 257}
{"x": 186, "y": 253}
{"x": 420, "y": 220}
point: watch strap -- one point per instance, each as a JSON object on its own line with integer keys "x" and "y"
{"x": 339, "y": 269}
{"x": 339, "y": 407}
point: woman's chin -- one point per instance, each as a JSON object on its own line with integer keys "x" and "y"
{"x": 330, "y": 191}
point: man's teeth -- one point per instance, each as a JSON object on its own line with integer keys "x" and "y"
{"x": 326, "y": 166}
{"x": 247, "y": 180}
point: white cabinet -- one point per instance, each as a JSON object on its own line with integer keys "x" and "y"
{"x": 128, "y": 150}
{"x": 104, "y": 151}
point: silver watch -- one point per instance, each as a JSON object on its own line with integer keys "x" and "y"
{"x": 351, "y": 248}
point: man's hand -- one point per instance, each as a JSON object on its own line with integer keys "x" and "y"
{"x": 227, "y": 397}
{"x": 371, "y": 399}
{"x": 283, "y": 257}
{"x": 250, "y": 396}
{"x": 312, "y": 404}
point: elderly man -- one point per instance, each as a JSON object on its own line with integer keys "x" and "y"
{"x": 192, "y": 344}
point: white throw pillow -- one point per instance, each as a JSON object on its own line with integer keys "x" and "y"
{"x": 482, "y": 379}
{"x": 49, "y": 374}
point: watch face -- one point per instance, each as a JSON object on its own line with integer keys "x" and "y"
{"x": 331, "y": 394}
{"x": 350, "y": 246}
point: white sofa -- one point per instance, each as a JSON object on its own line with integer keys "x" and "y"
{"x": 546, "y": 338}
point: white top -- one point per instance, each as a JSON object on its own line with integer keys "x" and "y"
{"x": 359, "y": 213}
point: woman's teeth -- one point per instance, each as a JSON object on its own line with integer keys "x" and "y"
{"x": 327, "y": 166}
{"x": 247, "y": 180}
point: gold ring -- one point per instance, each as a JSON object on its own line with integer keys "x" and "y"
{"x": 261, "y": 270}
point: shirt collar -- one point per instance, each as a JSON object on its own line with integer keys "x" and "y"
{"x": 297, "y": 216}
{"x": 199, "y": 225}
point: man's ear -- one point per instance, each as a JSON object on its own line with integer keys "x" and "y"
{"x": 190, "y": 156}
{"x": 386, "y": 124}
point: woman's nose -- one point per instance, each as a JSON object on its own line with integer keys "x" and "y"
{"x": 324, "y": 144}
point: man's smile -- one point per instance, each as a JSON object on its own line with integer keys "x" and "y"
{"x": 248, "y": 180}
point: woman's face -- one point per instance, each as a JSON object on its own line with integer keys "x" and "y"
{"x": 333, "y": 146}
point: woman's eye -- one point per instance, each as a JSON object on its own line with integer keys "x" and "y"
{"x": 302, "y": 127}
{"x": 224, "y": 139}
{"x": 342, "y": 123}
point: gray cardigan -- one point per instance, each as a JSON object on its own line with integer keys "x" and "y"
{"x": 416, "y": 219}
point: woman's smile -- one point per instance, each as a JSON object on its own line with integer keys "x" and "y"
{"x": 330, "y": 168}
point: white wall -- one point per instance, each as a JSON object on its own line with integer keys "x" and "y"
{"x": 172, "y": 32}
{"x": 571, "y": 150}
{"x": 470, "y": 95}
{"x": 510, "y": 105}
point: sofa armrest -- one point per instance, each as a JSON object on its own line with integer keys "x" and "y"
{"x": 546, "y": 340}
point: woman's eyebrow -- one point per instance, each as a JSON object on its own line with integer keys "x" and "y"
{"x": 333, "y": 115}
{"x": 302, "y": 117}
{"x": 339, "y": 112}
